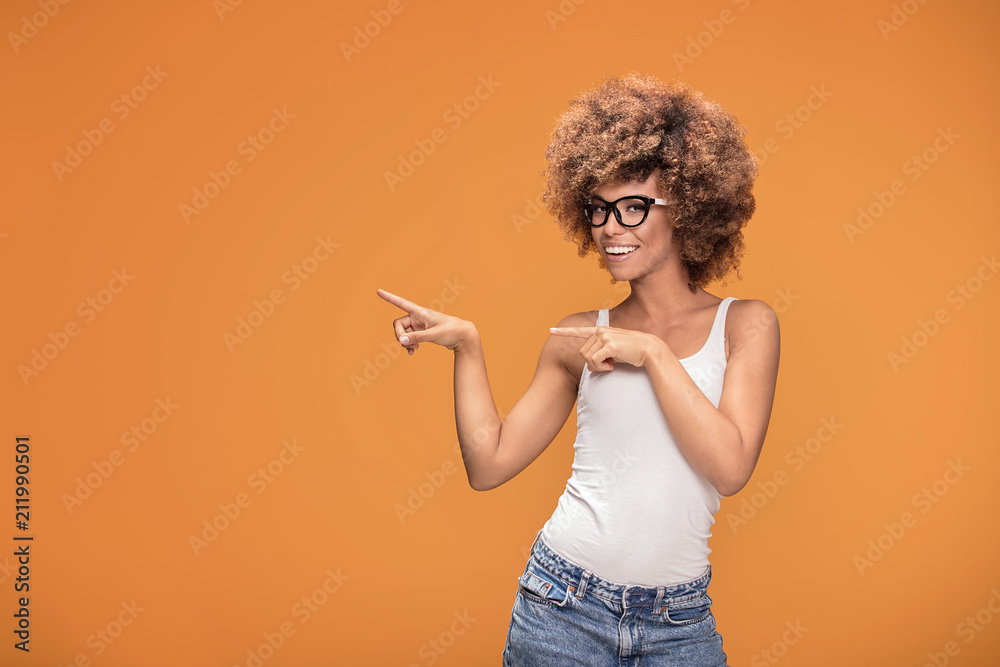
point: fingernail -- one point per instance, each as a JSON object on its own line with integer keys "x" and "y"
{"x": 405, "y": 340}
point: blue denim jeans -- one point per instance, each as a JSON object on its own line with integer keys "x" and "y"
{"x": 565, "y": 616}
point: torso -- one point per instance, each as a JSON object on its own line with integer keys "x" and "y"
{"x": 684, "y": 338}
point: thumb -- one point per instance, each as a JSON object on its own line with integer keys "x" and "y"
{"x": 412, "y": 338}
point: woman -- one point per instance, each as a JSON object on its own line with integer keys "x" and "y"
{"x": 674, "y": 386}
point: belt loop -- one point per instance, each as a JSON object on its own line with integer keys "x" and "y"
{"x": 584, "y": 580}
{"x": 537, "y": 536}
{"x": 659, "y": 598}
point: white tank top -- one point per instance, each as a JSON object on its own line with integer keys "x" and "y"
{"x": 634, "y": 511}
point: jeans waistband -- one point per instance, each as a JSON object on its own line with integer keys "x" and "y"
{"x": 628, "y": 595}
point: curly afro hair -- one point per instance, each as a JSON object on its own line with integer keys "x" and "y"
{"x": 630, "y": 126}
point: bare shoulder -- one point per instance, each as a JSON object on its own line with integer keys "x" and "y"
{"x": 751, "y": 321}
{"x": 567, "y": 349}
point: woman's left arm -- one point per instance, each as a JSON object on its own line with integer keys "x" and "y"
{"x": 724, "y": 443}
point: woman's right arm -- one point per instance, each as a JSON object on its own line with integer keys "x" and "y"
{"x": 495, "y": 450}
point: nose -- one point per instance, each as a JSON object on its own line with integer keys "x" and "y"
{"x": 614, "y": 225}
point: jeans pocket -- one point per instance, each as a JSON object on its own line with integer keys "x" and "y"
{"x": 540, "y": 586}
{"x": 687, "y": 612}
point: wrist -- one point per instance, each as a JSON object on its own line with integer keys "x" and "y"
{"x": 468, "y": 339}
{"x": 657, "y": 352}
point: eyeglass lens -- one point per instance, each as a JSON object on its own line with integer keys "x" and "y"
{"x": 632, "y": 211}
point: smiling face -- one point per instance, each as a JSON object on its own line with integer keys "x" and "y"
{"x": 633, "y": 252}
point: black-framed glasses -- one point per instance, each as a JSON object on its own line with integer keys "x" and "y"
{"x": 630, "y": 211}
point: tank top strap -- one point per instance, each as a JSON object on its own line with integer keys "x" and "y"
{"x": 717, "y": 337}
{"x": 603, "y": 317}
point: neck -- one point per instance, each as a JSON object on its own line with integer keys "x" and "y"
{"x": 662, "y": 296}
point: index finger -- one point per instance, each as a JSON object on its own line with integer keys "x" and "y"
{"x": 575, "y": 332}
{"x": 398, "y": 301}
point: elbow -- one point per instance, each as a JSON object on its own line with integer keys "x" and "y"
{"x": 732, "y": 481}
{"x": 481, "y": 485}
{"x": 478, "y": 485}
{"x": 489, "y": 481}
{"x": 730, "y": 487}
{"x": 482, "y": 482}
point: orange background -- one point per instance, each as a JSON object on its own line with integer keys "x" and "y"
{"x": 460, "y": 232}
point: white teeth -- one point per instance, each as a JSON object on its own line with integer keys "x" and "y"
{"x": 620, "y": 250}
